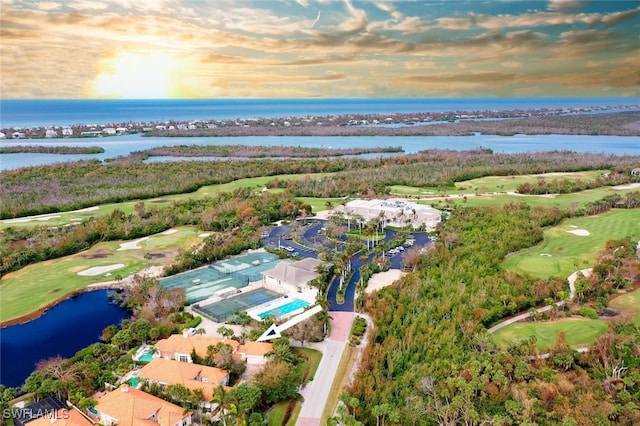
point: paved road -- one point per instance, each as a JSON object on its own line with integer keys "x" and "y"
{"x": 317, "y": 391}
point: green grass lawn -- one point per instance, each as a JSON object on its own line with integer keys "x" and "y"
{"x": 562, "y": 201}
{"x": 579, "y": 332}
{"x": 319, "y": 204}
{"x": 628, "y": 303}
{"x": 307, "y": 371}
{"x": 276, "y": 416}
{"x": 494, "y": 183}
{"x": 35, "y": 286}
{"x": 563, "y": 252}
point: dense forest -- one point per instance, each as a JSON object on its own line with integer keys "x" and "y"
{"x": 60, "y": 187}
{"x": 234, "y": 216}
{"x": 431, "y": 361}
{"x": 252, "y": 151}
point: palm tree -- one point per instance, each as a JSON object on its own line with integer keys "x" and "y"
{"x": 281, "y": 352}
{"x": 225, "y": 406}
{"x": 329, "y": 205}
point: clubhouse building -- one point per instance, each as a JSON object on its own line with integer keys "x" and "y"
{"x": 395, "y": 212}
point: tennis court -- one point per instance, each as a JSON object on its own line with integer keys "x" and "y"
{"x": 220, "y": 311}
{"x": 221, "y": 277}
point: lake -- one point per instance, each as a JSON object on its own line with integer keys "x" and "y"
{"x": 62, "y": 330}
{"x": 123, "y": 145}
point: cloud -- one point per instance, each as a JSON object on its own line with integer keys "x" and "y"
{"x": 566, "y": 5}
{"x": 315, "y": 21}
{"x": 511, "y": 64}
{"x": 46, "y": 5}
{"x": 330, "y": 76}
{"x": 356, "y": 21}
{"x": 579, "y": 44}
{"x": 84, "y": 5}
{"x": 454, "y": 24}
{"x": 410, "y": 25}
{"x": 616, "y": 18}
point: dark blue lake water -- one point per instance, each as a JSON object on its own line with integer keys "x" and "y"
{"x": 62, "y": 330}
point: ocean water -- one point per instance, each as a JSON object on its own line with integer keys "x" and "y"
{"x": 43, "y": 113}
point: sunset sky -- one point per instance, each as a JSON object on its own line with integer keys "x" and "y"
{"x": 82, "y": 49}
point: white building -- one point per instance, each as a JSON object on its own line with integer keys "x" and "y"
{"x": 394, "y": 212}
{"x": 294, "y": 276}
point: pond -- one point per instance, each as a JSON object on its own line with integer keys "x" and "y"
{"x": 62, "y": 330}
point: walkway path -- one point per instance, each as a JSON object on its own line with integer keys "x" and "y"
{"x": 317, "y": 391}
{"x": 572, "y": 292}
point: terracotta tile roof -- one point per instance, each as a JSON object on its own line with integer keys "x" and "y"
{"x": 133, "y": 407}
{"x": 185, "y": 344}
{"x": 171, "y": 372}
{"x": 255, "y": 348}
{"x": 62, "y": 417}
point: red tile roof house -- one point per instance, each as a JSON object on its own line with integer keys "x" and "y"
{"x": 126, "y": 406}
{"x": 180, "y": 346}
{"x": 192, "y": 376}
{"x": 63, "y": 417}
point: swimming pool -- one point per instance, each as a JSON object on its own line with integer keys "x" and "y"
{"x": 134, "y": 382}
{"x": 146, "y": 357}
{"x": 285, "y": 309}
{"x": 220, "y": 311}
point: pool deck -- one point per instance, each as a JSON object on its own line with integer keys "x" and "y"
{"x": 309, "y": 297}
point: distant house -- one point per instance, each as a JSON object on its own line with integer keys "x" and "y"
{"x": 67, "y": 131}
{"x": 109, "y": 131}
{"x": 132, "y": 407}
{"x": 2, "y": 136}
{"x": 192, "y": 376}
{"x": 18, "y": 135}
{"x": 295, "y": 275}
{"x": 50, "y": 133}
{"x": 635, "y": 172}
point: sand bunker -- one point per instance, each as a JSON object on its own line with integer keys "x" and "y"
{"x": 545, "y": 254}
{"x": 383, "y": 279}
{"x": 170, "y": 231}
{"x": 88, "y": 209}
{"x": 629, "y": 186}
{"x": 580, "y": 232}
{"x": 204, "y": 235}
{"x": 30, "y": 218}
{"x": 132, "y": 245}
{"x": 99, "y": 270}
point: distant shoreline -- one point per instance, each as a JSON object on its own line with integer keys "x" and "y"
{"x": 411, "y": 118}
